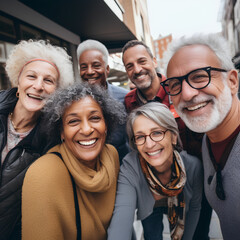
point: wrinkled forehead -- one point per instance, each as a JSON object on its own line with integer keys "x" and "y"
{"x": 84, "y": 105}
{"x": 91, "y": 55}
{"x": 189, "y": 58}
{"x": 134, "y": 53}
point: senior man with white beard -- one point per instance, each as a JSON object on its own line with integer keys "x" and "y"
{"x": 203, "y": 86}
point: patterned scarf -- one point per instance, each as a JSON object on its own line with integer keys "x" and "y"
{"x": 173, "y": 190}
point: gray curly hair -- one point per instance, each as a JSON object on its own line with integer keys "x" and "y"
{"x": 90, "y": 45}
{"x": 217, "y": 43}
{"x": 160, "y": 114}
{"x": 113, "y": 111}
{"x": 35, "y": 49}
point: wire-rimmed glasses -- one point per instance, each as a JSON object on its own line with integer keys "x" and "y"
{"x": 155, "y": 136}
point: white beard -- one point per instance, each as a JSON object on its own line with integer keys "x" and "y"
{"x": 210, "y": 120}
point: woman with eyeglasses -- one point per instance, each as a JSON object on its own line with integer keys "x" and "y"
{"x": 156, "y": 174}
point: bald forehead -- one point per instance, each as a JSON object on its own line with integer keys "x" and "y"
{"x": 191, "y": 57}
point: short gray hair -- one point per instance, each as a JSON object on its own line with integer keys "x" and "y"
{"x": 93, "y": 45}
{"x": 113, "y": 111}
{"x": 39, "y": 49}
{"x": 157, "y": 112}
{"x": 215, "y": 42}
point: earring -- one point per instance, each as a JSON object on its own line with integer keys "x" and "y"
{"x": 105, "y": 132}
{"x": 17, "y": 94}
{"x": 62, "y": 140}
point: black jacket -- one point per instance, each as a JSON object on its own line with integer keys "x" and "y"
{"x": 15, "y": 166}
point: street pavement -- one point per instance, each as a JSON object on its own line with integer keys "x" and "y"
{"x": 214, "y": 234}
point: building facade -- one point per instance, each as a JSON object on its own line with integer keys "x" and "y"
{"x": 67, "y": 23}
{"x": 160, "y": 46}
{"x": 135, "y": 17}
{"x": 230, "y": 18}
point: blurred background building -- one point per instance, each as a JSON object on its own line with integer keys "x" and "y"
{"x": 229, "y": 15}
{"x": 135, "y": 17}
{"x": 67, "y": 23}
{"x": 160, "y": 46}
{"x": 112, "y": 22}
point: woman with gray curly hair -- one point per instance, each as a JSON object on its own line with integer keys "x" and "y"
{"x": 69, "y": 193}
{"x": 35, "y": 69}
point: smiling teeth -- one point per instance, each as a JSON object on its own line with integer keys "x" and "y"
{"x": 154, "y": 153}
{"x": 87, "y": 143}
{"x": 91, "y": 81}
{"x": 36, "y": 97}
{"x": 197, "y": 106}
{"x": 141, "y": 77}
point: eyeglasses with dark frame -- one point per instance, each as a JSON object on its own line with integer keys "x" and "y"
{"x": 155, "y": 136}
{"x": 197, "y": 79}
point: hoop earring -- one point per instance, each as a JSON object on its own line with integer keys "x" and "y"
{"x": 17, "y": 94}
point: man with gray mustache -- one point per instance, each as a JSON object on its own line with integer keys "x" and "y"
{"x": 203, "y": 85}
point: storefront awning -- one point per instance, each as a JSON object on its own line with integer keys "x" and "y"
{"x": 90, "y": 19}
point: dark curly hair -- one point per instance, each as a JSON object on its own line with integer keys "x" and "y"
{"x": 113, "y": 111}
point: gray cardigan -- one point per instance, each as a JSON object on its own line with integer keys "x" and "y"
{"x": 228, "y": 210}
{"x": 133, "y": 193}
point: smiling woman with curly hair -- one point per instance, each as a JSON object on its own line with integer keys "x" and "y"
{"x": 69, "y": 193}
